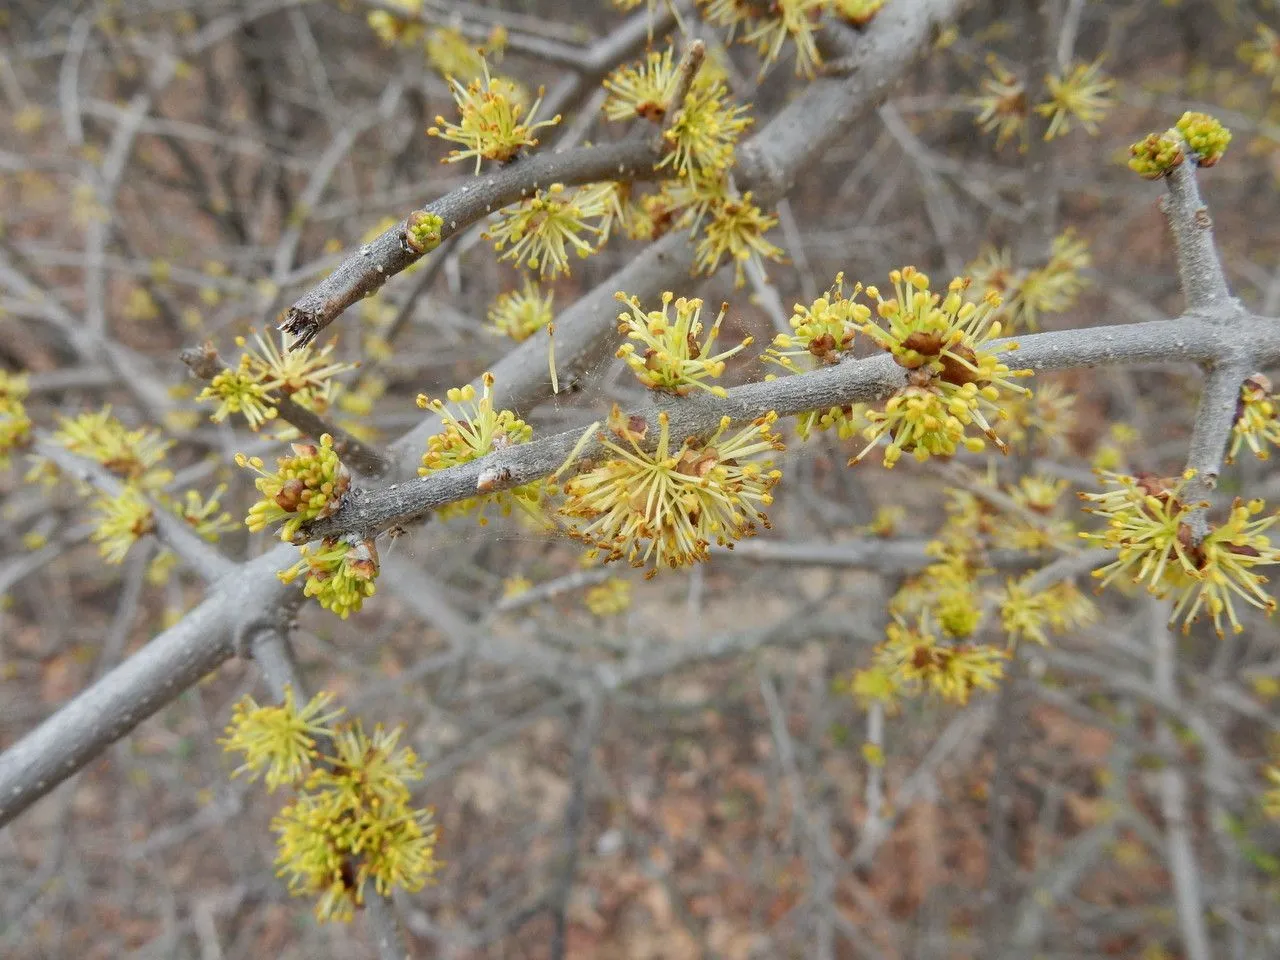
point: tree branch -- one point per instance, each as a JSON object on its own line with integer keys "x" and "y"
{"x": 1190, "y": 338}
{"x": 366, "y": 270}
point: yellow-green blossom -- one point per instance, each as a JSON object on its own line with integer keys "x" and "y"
{"x": 1027, "y": 614}
{"x": 306, "y": 486}
{"x": 278, "y": 741}
{"x": 796, "y": 21}
{"x": 133, "y": 455}
{"x": 541, "y": 230}
{"x": 121, "y": 521}
{"x": 475, "y": 430}
{"x": 1001, "y": 103}
{"x": 204, "y": 515}
{"x": 955, "y": 376}
{"x": 1204, "y": 136}
{"x": 353, "y": 822}
{"x": 667, "y": 507}
{"x": 240, "y": 391}
{"x": 1256, "y": 421}
{"x": 1082, "y": 94}
{"x": 1147, "y": 525}
{"x": 736, "y": 228}
{"x": 519, "y": 314}
{"x": 609, "y": 598}
{"x": 668, "y": 353}
{"x": 492, "y": 123}
{"x": 822, "y": 331}
{"x": 920, "y": 664}
{"x": 340, "y": 573}
{"x": 700, "y": 139}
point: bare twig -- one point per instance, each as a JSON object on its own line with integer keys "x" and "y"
{"x": 1173, "y": 797}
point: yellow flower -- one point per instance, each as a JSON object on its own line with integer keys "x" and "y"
{"x": 701, "y": 138}
{"x": 291, "y": 372}
{"x": 1263, "y": 54}
{"x": 1027, "y": 615}
{"x": 490, "y": 125}
{"x": 203, "y": 515}
{"x": 797, "y": 21}
{"x": 473, "y": 432}
{"x": 609, "y": 598}
{"x": 644, "y": 90}
{"x": 736, "y": 229}
{"x": 392, "y": 29}
{"x": 1204, "y": 136}
{"x": 1002, "y": 103}
{"x": 858, "y": 12}
{"x": 240, "y": 391}
{"x": 340, "y": 573}
{"x": 1082, "y": 94}
{"x": 279, "y": 741}
{"x": 132, "y": 455}
{"x": 674, "y": 358}
{"x": 541, "y": 229}
{"x": 1147, "y": 527}
{"x": 1256, "y": 421}
{"x": 920, "y": 664}
{"x": 822, "y": 331}
{"x": 667, "y": 507}
{"x": 122, "y": 520}
{"x": 945, "y": 592}
{"x": 519, "y": 314}
{"x": 306, "y": 486}
{"x": 353, "y": 822}
{"x": 955, "y": 376}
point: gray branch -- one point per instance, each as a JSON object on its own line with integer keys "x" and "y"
{"x": 1190, "y": 338}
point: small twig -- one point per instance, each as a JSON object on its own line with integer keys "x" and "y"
{"x": 589, "y": 723}
{"x": 1204, "y": 284}
{"x": 205, "y": 363}
{"x": 1173, "y": 797}
{"x": 366, "y": 270}
{"x": 690, "y": 63}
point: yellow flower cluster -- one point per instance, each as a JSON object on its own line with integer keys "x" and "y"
{"x": 912, "y": 661}
{"x": 265, "y": 372}
{"x": 306, "y": 486}
{"x": 1256, "y": 421}
{"x": 15, "y": 425}
{"x": 955, "y": 374}
{"x": 519, "y": 314}
{"x": 1157, "y": 154}
{"x": 475, "y": 430}
{"x": 340, "y": 573}
{"x": 610, "y": 598}
{"x": 136, "y": 456}
{"x": 667, "y": 507}
{"x": 1148, "y": 526}
{"x": 672, "y": 355}
{"x": 736, "y": 229}
{"x": 1002, "y": 103}
{"x": 1028, "y": 293}
{"x": 121, "y": 521}
{"x": 822, "y": 332}
{"x": 541, "y": 230}
{"x": 352, "y": 820}
{"x": 1081, "y": 93}
{"x": 492, "y": 124}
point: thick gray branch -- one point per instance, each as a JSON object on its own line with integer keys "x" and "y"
{"x": 1189, "y": 339}
{"x": 145, "y": 683}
